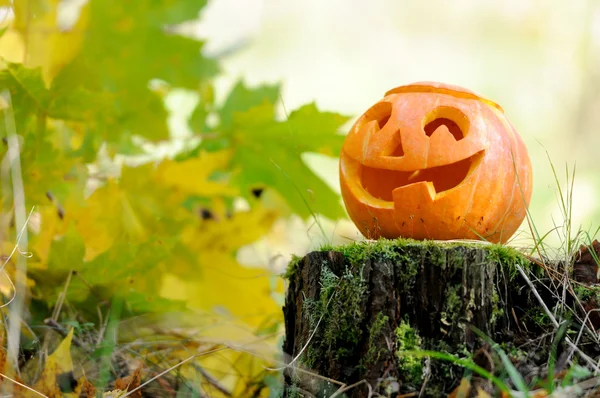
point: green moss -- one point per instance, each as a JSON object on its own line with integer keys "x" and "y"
{"x": 537, "y": 316}
{"x": 514, "y": 353}
{"x": 339, "y": 318}
{"x": 497, "y": 309}
{"x": 294, "y": 391}
{"x": 436, "y": 254}
{"x": 452, "y": 305}
{"x": 509, "y": 257}
{"x": 342, "y": 327}
{"x": 455, "y": 259}
{"x": 357, "y": 253}
{"x": 375, "y": 330}
{"x": 292, "y": 267}
{"x": 409, "y": 340}
{"x": 585, "y": 293}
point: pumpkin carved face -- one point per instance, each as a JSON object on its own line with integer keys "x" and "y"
{"x": 434, "y": 161}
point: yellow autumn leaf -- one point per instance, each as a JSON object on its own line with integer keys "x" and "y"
{"x": 51, "y": 226}
{"x": 58, "y": 362}
{"x": 237, "y": 371}
{"x": 242, "y": 228}
{"x": 105, "y": 215}
{"x": 481, "y": 393}
{"x": 62, "y": 355}
{"x": 463, "y": 390}
{"x": 114, "y": 394}
{"x": 12, "y": 48}
{"x": 45, "y": 39}
{"x": 133, "y": 208}
{"x": 192, "y": 176}
{"x": 226, "y": 287}
{"x": 220, "y": 283}
{"x": 223, "y": 344}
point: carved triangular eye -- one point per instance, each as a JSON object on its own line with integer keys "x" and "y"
{"x": 455, "y": 121}
{"x": 383, "y": 119}
{"x": 394, "y": 147}
{"x": 379, "y": 112}
{"x": 452, "y": 127}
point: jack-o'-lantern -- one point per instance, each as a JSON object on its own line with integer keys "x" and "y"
{"x": 435, "y": 161}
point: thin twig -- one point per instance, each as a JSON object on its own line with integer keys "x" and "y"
{"x": 64, "y": 333}
{"x": 213, "y": 382}
{"x": 583, "y": 355}
{"x": 345, "y": 388}
{"x": 61, "y": 297}
{"x": 23, "y": 385}
{"x": 307, "y": 343}
{"x": 173, "y": 368}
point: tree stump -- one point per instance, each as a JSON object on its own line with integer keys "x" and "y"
{"x": 351, "y": 312}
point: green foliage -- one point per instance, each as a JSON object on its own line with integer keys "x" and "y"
{"x": 266, "y": 150}
{"x": 452, "y": 305}
{"x": 514, "y": 374}
{"x": 337, "y": 313}
{"x": 375, "y": 331}
{"x": 409, "y": 340}
{"x": 292, "y": 267}
{"x": 507, "y": 255}
{"x": 160, "y": 237}
{"x": 466, "y": 363}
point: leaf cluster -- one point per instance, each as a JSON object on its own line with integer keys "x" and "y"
{"x": 82, "y": 96}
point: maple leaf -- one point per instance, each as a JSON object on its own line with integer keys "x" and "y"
{"x": 57, "y": 364}
{"x": 130, "y": 209}
{"x": 131, "y": 382}
{"x": 267, "y": 152}
{"x": 137, "y": 236}
{"x": 31, "y": 98}
{"x": 48, "y": 44}
{"x": 221, "y": 283}
{"x": 242, "y": 99}
{"x": 128, "y": 44}
{"x": 192, "y": 176}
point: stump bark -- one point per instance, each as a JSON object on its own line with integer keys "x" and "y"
{"x": 352, "y": 312}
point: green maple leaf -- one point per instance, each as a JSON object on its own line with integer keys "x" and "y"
{"x": 31, "y": 99}
{"x": 140, "y": 303}
{"x": 267, "y": 151}
{"x": 47, "y": 165}
{"x": 127, "y": 270}
{"x": 67, "y": 252}
{"x": 242, "y": 99}
{"x": 126, "y": 46}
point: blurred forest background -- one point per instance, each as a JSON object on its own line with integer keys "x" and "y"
{"x": 174, "y": 155}
{"x": 539, "y": 59}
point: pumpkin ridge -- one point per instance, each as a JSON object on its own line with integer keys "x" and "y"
{"x": 439, "y": 90}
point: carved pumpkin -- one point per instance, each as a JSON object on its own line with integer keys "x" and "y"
{"x": 435, "y": 161}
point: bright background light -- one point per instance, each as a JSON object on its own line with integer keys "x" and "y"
{"x": 539, "y": 59}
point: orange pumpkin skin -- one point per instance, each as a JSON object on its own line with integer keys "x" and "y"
{"x": 435, "y": 161}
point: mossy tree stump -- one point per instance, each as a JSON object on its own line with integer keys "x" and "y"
{"x": 351, "y": 311}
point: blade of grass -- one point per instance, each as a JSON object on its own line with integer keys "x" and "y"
{"x": 110, "y": 342}
{"x": 513, "y": 373}
{"x": 464, "y": 362}
{"x": 552, "y": 360}
{"x": 20, "y": 215}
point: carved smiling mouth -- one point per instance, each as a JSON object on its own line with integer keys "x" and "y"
{"x": 381, "y": 183}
